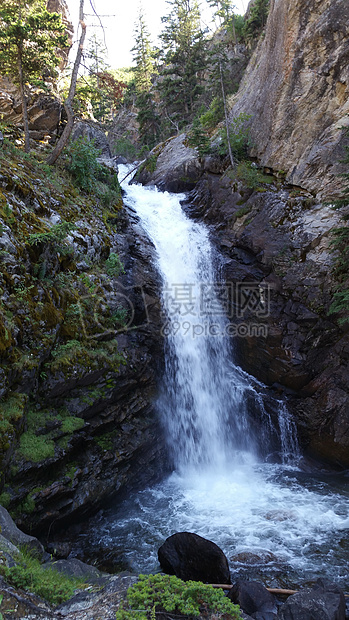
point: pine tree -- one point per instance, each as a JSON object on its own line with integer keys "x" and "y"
{"x": 29, "y": 38}
{"x": 143, "y": 55}
{"x": 184, "y": 61}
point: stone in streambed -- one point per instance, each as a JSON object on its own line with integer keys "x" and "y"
{"x": 191, "y": 557}
{"x": 322, "y": 602}
{"x": 254, "y": 599}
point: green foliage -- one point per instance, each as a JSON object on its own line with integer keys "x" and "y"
{"x": 213, "y": 115}
{"x": 198, "y": 138}
{"x": 124, "y": 147}
{"x": 249, "y": 174}
{"x": 238, "y": 136}
{"x": 29, "y": 574}
{"x": 72, "y": 424}
{"x": 30, "y": 31}
{"x": 36, "y": 448}
{"x": 114, "y": 265}
{"x": 55, "y": 236}
{"x": 82, "y": 163}
{"x": 256, "y": 19}
{"x": 169, "y": 593}
{"x": 29, "y": 38}
{"x": 184, "y": 61}
{"x": 5, "y": 499}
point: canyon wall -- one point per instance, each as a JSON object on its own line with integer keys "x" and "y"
{"x": 296, "y": 87}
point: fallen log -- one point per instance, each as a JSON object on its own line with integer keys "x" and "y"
{"x": 281, "y": 591}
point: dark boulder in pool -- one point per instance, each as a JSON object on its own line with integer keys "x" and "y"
{"x": 191, "y": 557}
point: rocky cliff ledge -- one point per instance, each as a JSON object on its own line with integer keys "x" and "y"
{"x": 296, "y": 88}
{"x": 80, "y": 347}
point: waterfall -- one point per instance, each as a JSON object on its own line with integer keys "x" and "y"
{"x": 223, "y": 429}
{"x": 205, "y": 397}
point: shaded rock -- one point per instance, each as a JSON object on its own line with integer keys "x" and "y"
{"x": 254, "y": 599}
{"x": 322, "y": 602}
{"x": 191, "y": 557}
{"x": 10, "y": 531}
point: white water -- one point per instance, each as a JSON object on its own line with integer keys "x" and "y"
{"x": 222, "y": 488}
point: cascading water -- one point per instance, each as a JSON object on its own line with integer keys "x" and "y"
{"x": 221, "y": 488}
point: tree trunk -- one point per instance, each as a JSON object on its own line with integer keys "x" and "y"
{"x": 68, "y": 104}
{"x": 23, "y": 99}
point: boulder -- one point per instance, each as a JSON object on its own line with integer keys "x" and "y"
{"x": 322, "y": 602}
{"x": 254, "y": 599}
{"x": 10, "y": 532}
{"x": 91, "y": 131}
{"x": 178, "y": 167}
{"x": 191, "y": 557}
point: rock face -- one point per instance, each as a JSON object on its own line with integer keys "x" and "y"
{"x": 177, "y": 166}
{"x": 78, "y": 423}
{"x": 279, "y": 236}
{"x": 191, "y": 557}
{"x": 296, "y": 88}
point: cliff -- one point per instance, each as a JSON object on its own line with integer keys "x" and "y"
{"x": 296, "y": 87}
{"x": 79, "y": 348}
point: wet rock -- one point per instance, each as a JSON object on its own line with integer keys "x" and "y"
{"x": 254, "y": 599}
{"x": 322, "y": 602}
{"x": 191, "y": 557}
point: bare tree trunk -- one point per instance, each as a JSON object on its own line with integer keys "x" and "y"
{"x": 226, "y": 117}
{"x": 23, "y": 99}
{"x": 68, "y": 104}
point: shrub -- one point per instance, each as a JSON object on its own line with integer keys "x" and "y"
{"x": 250, "y": 175}
{"x": 175, "y": 596}
{"x": 238, "y": 136}
{"x": 29, "y": 574}
{"x": 114, "y": 265}
{"x": 82, "y": 163}
{"x": 198, "y": 138}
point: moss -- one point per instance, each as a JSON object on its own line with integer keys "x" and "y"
{"x": 72, "y": 424}
{"x": 243, "y": 211}
{"x": 34, "y": 448}
{"x": 5, "y": 499}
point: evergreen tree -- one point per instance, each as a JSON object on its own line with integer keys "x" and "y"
{"x": 143, "y": 55}
{"x": 184, "y": 61}
{"x": 29, "y": 38}
{"x": 256, "y": 19}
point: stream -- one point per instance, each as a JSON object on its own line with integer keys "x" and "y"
{"x": 237, "y": 471}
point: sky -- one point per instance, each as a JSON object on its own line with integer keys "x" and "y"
{"x": 119, "y": 17}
